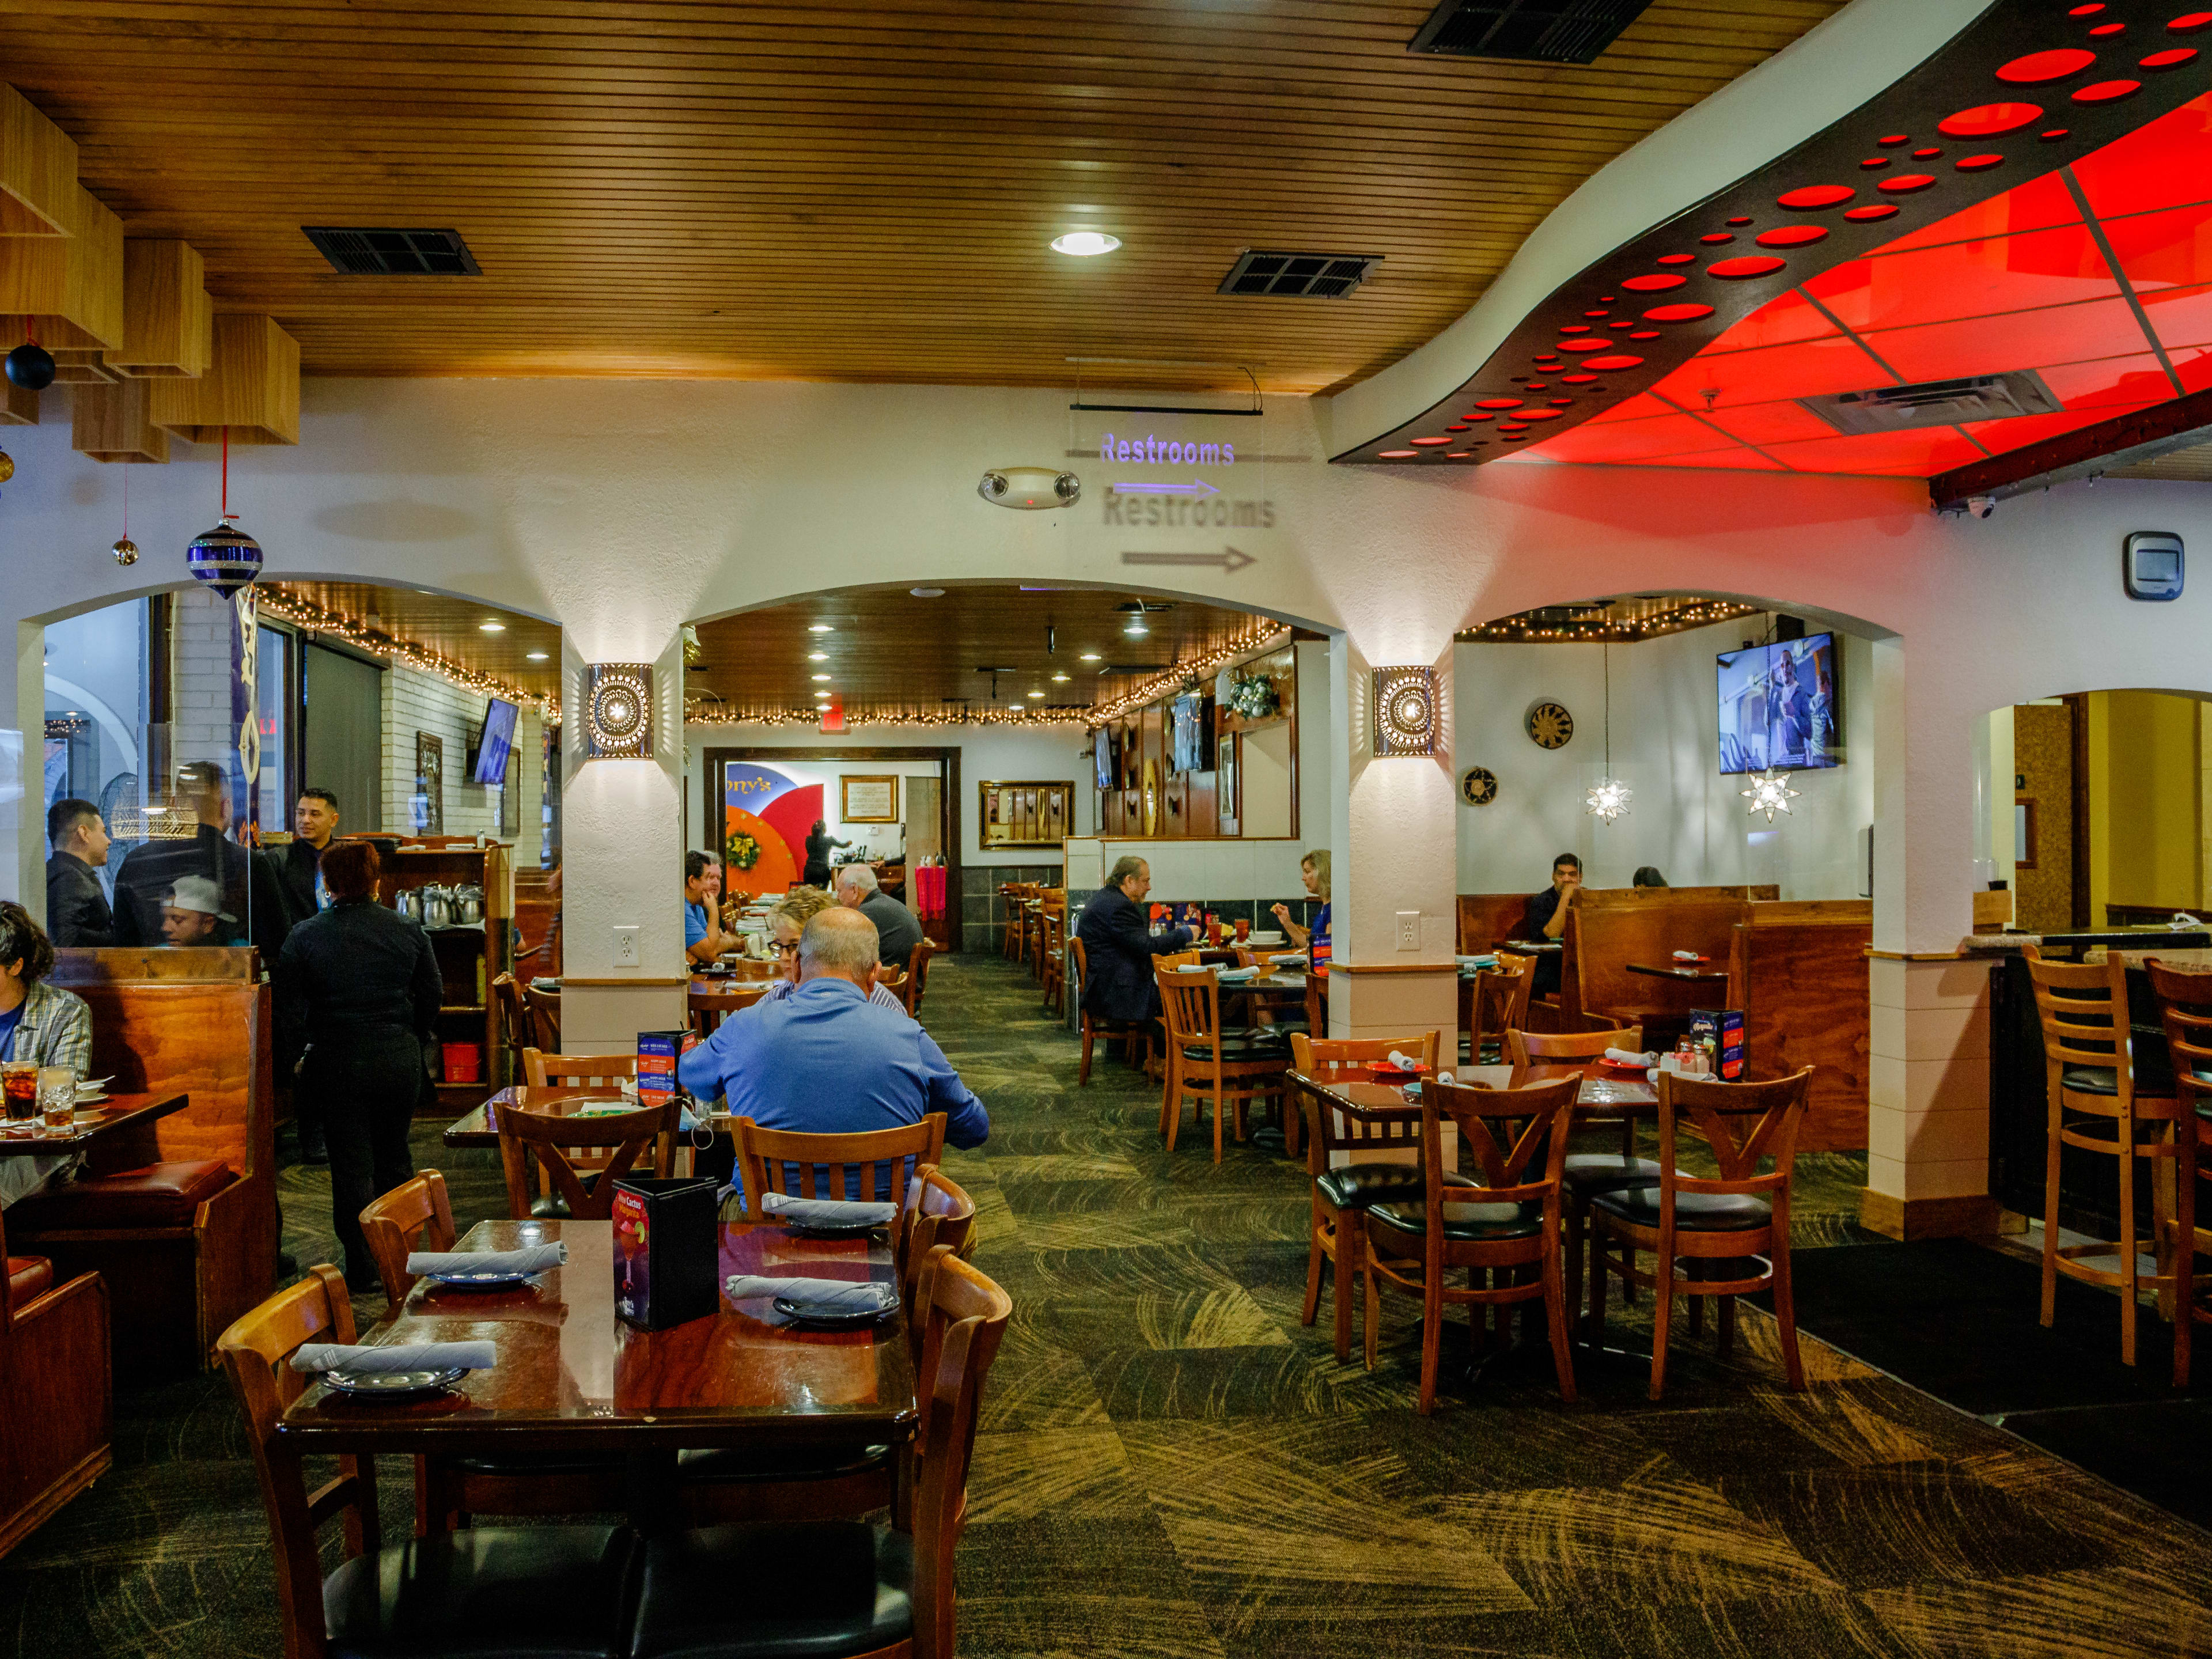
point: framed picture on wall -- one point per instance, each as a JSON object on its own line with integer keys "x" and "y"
{"x": 867, "y": 800}
{"x": 428, "y": 805}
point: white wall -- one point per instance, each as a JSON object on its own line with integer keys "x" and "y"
{"x": 414, "y": 702}
{"x": 1684, "y": 816}
{"x": 1049, "y": 754}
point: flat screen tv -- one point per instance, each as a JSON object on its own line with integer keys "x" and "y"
{"x": 1192, "y": 746}
{"x": 496, "y": 743}
{"x": 1782, "y": 705}
{"x": 1105, "y": 762}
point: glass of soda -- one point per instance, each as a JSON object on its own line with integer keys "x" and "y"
{"x": 19, "y": 1090}
{"x": 58, "y": 1097}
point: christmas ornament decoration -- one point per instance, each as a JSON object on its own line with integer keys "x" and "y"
{"x": 125, "y": 550}
{"x": 31, "y": 367}
{"x": 224, "y": 558}
{"x": 7, "y": 467}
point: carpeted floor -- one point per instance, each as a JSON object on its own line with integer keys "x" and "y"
{"x": 1172, "y": 1465}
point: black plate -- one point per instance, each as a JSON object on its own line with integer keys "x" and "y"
{"x": 829, "y": 1319}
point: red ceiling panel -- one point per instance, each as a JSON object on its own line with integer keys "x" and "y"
{"x": 1999, "y": 436}
{"x": 2163, "y": 165}
{"x": 1641, "y": 407}
{"x": 1784, "y": 421}
{"x": 2172, "y": 249}
{"x": 1966, "y": 279}
{"x": 2194, "y": 367}
{"x": 1632, "y": 440}
{"x": 2036, "y": 205}
{"x": 2180, "y": 316}
{"x": 2022, "y": 339}
{"x": 1787, "y": 316}
{"x": 1736, "y": 459}
{"x": 1902, "y": 454}
{"x": 2110, "y": 383}
{"x": 1808, "y": 369}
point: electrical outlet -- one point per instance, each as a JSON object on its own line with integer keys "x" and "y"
{"x": 626, "y": 947}
{"x": 1409, "y": 930}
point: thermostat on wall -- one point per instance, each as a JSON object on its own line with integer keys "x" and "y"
{"x": 2151, "y": 565}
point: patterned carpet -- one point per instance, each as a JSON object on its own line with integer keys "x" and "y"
{"x": 1173, "y": 1466}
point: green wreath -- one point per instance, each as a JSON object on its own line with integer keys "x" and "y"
{"x": 744, "y": 852}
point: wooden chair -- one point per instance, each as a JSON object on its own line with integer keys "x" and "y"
{"x": 2102, "y": 1094}
{"x": 685, "y": 1596}
{"x": 916, "y": 982}
{"x": 543, "y": 1070}
{"x": 1204, "y": 1061}
{"x": 413, "y": 1216}
{"x": 878, "y": 1165}
{"x": 545, "y": 1015}
{"x": 1053, "y": 949}
{"x": 1511, "y": 1222}
{"x": 550, "y": 1591}
{"x": 708, "y": 1009}
{"x": 1737, "y": 1220}
{"x": 1010, "y": 897}
{"x": 524, "y": 1136}
{"x": 1135, "y": 1035}
{"x": 938, "y": 1211}
{"x": 517, "y": 1024}
{"x": 1349, "y": 1167}
{"x": 57, "y": 1387}
{"x": 1587, "y": 1174}
{"x": 2184, "y": 1001}
{"x": 1499, "y": 1004}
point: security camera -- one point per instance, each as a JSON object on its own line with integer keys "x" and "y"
{"x": 1981, "y": 506}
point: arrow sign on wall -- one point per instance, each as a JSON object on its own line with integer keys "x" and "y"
{"x": 1202, "y": 489}
{"x": 1229, "y": 558}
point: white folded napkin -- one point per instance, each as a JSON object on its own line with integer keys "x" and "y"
{"x": 1687, "y": 955}
{"x": 1629, "y": 1057}
{"x": 1403, "y": 1062}
{"x": 1288, "y": 956}
{"x": 835, "y": 1295}
{"x": 405, "y": 1357}
{"x": 531, "y": 1259}
{"x": 805, "y": 1210}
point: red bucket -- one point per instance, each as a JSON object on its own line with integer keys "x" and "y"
{"x": 463, "y": 1062}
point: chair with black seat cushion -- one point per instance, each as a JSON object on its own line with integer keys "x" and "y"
{"x": 2104, "y": 1097}
{"x": 573, "y": 1194}
{"x": 558, "y": 1592}
{"x": 1498, "y": 1004}
{"x": 1508, "y": 1223}
{"x": 2185, "y": 1002}
{"x": 1735, "y": 1225}
{"x": 1351, "y": 1165}
{"x": 1230, "y": 1067}
{"x": 1587, "y": 1174}
{"x": 837, "y": 1589}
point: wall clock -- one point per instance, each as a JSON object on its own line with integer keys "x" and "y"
{"x": 1477, "y": 786}
{"x": 1550, "y": 725}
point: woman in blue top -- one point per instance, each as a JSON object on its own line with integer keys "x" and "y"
{"x": 1314, "y": 868}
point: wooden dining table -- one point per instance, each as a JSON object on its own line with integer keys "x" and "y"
{"x": 1688, "y": 972}
{"x": 571, "y": 1376}
{"x": 104, "y": 1124}
{"x": 480, "y": 1127}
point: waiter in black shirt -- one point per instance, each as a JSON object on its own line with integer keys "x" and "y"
{"x": 1546, "y": 918}
{"x": 77, "y": 904}
{"x": 358, "y": 989}
{"x": 314, "y": 821}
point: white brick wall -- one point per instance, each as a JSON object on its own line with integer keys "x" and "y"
{"x": 415, "y": 702}
{"x": 201, "y": 724}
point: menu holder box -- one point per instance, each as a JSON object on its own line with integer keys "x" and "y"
{"x": 665, "y": 1253}
{"x": 1725, "y": 1027}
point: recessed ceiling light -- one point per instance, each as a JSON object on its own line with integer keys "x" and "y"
{"x": 926, "y": 592}
{"x": 1136, "y": 630}
{"x": 1084, "y": 243}
{"x": 491, "y": 628}
{"x": 821, "y": 677}
{"x": 538, "y": 656}
{"x": 822, "y": 696}
{"x": 820, "y": 627}
{"x": 817, "y": 656}
{"x": 1036, "y": 694}
{"x": 1091, "y": 656}
{"x": 1059, "y": 676}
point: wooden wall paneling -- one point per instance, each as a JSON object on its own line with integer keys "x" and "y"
{"x": 67, "y": 290}
{"x": 110, "y": 423}
{"x": 38, "y": 171}
{"x": 1603, "y": 940}
{"x": 1487, "y": 920}
{"x": 1202, "y": 810}
{"x": 252, "y": 386}
{"x": 168, "y": 321}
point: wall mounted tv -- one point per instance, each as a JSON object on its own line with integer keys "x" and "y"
{"x": 1191, "y": 746}
{"x": 496, "y": 743}
{"x": 1106, "y": 757}
{"x": 1782, "y": 705}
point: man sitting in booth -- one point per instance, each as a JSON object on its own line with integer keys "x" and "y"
{"x": 1546, "y": 918}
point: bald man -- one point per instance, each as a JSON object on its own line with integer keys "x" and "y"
{"x": 825, "y": 1059}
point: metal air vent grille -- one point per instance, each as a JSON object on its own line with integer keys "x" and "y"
{"x": 386, "y": 253}
{"x": 1936, "y": 402}
{"x": 1297, "y": 276}
{"x": 1542, "y": 31}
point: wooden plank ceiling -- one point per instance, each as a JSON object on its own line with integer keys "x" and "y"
{"x": 452, "y": 628}
{"x": 892, "y": 651}
{"x": 849, "y": 191}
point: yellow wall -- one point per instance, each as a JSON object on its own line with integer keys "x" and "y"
{"x": 2146, "y": 831}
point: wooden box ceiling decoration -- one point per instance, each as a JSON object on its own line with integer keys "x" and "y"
{"x": 110, "y": 423}
{"x": 252, "y": 386}
{"x": 168, "y": 322}
{"x": 21, "y": 406}
{"x": 38, "y": 172}
{"x": 68, "y": 290}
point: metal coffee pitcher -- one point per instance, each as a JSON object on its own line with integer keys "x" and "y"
{"x": 408, "y": 900}
{"x": 468, "y": 905}
{"x": 437, "y": 907}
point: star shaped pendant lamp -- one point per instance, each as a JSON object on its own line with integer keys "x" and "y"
{"x": 1769, "y": 793}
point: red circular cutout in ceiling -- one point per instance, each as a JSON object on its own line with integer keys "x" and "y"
{"x": 1498, "y": 403}
{"x": 1587, "y": 345}
{"x": 1455, "y": 454}
{"x": 2039, "y": 67}
{"x": 1928, "y": 155}
{"x": 1718, "y": 236}
{"x": 1399, "y": 454}
{"x": 2107, "y": 92}
{"x": 1873, "y": 161}
{"x": 1561, "y": 402}
{"x": 1537, "y": 415}
{"x": 1905, "y": 183}
{"x": 1895, "y": 138}
{"x": 1677, "y": 259}
{"x": 2173, "y": 57}
{"x": 2053, "y": 135}
{"x": 1626, "y": 324}
{"x": 1456, "y": 427}
{"x": 1624, "y": 360}
{"x": 1478, "y": 415}
{"x": 1871, "y": 210}
{"x": 1428, "y": 442}
{"x": 2189, "y": 21}
{"x": 1740, "y": 223}
{"x": 1751, "y": 264}
{"x": 1652, "y": 284}
{"x": 1686, "y": 313}
{"x": 2087, "y": 11}
{"x": 1574, "y": 328}
{"x": 1600, "y": 313}
{"x": 1577, "y": 379}
{"x": 1792, "y": 235}
{"x": 1815, "y": 195}
{"x": 1538, "y": 386}
{"x": 1976, "y": 163}
{"x": 1984, "y": 120}
{"x": 2103, "y": 29}
{"x": 1641, "y": 334}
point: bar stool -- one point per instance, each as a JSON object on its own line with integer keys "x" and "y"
{"x": 2185, "y": 1002}
{"x": 2100, "y": 1092}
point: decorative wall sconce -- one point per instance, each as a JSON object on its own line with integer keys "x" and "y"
{"x": 1406, "y": 711}
{"x": 618, "y": 711}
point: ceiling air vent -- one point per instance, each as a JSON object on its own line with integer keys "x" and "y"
{"x": 1937, "y": 402}
{"x": 375, "y": 252}
{"x": 1297, "y": 276}
{"x": 1542, "y": 31}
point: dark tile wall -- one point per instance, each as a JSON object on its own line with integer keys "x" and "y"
{"x": 982, "y": 913}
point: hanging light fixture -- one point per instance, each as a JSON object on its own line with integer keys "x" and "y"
{"x": 125, "y": 550}
{"x": 1769, "y": 793}
{"x": 1608, "y": 797}
{"x": 225, "y": 558}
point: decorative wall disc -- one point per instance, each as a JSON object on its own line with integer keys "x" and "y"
{"x": 618, "y": 711}
{"x": 1477, "y": 786}
{"x": 1550, "y": 725}
{"x": 1406, "y": 711}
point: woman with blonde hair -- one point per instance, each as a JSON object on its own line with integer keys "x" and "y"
{"x": 786, "y": 922}
{"x": 1314, "y": 866}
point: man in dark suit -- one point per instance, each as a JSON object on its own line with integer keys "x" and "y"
{"x": 1118, "y": 946}
{"x": 77, "y": 905}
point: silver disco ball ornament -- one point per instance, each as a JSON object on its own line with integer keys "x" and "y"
{"x": 225, "y": 558}
{"x": 126, "y": 552}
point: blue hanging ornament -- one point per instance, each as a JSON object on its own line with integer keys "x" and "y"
{"x": 225, "y": 558}
{"x": 31, "y": 367}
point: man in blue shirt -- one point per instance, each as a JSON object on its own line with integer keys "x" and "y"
{"x": 826, "y": 1060}
{"x": 703, "y": 938}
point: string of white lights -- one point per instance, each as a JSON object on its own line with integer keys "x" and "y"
{"x": 302, "y": 613}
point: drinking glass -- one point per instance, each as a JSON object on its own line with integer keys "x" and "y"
{"x": 58, "y": 1095}
{"x": 1244, "y": 929}
{"x": 19, "y": 1089}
